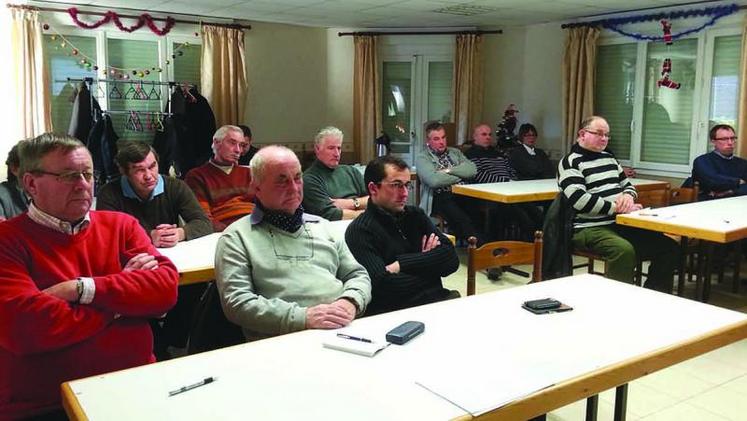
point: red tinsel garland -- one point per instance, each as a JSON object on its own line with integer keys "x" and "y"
{"x": 144, "y": 19}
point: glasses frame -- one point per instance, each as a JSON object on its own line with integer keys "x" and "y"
{"x": 69, "y": 177}
{"x": 602, "y": 135}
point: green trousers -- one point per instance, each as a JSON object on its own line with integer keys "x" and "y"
{"x": 623, "y": 246}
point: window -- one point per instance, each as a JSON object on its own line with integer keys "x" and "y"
{"x": 113, "y": 49}
{"x": 660, "y": 130}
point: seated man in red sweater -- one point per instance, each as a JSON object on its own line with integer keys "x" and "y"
{"x": 76, "y": 286}
{"x": 221, "y": 185}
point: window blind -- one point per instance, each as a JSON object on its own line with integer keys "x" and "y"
{"x": 614, "y": 93}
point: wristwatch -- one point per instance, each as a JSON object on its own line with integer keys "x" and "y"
{"x": 356, "y": 203}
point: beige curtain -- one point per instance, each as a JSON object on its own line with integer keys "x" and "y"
{"x": 742, "y": 119}
{"x": 29, "y": 78}
{"x": 579, "y": 67}
{"x": 366, "y": 97}
{"x": 224, "y": 80}
{"x": 467, "y": 84}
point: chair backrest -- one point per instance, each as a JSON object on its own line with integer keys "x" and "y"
{"x": 503, "y": 253}
{"x": 210, "y": 329}
{"x": 684, "y": 194}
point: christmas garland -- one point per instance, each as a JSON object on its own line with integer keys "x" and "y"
{"x": 144, "y": 19}
{"x": 715, "y": 13}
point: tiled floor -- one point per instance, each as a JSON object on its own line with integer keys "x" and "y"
{"x": 707, "y": 388}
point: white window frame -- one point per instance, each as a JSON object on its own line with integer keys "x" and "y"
{"x": 701, "y": 98}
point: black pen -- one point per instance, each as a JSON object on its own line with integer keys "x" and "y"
{"x": 203, "y": 382}
{"x": 354, "y": 338}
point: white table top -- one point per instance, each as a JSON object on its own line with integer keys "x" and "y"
{"x": 720, "y": 220}
{"x": 462, "y": 357}
{"x": 532, "y": 190}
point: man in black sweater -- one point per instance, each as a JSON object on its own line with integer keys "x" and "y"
{"x": 404, "y": 253}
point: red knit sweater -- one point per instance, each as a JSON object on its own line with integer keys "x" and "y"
{"x": 224, "y": 197}
{"x": 44, "y": 340}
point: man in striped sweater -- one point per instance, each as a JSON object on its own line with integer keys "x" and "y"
{"x": 596, "y": 187}
{"x": 222, "y": 187}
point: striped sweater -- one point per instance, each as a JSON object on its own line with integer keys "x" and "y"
{"x": 492, "y": 165}
{"x": 591, "y": 181}
{"x": 224, "y": 197}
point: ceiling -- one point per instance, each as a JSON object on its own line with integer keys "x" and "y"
{"x": 387, "y": 13}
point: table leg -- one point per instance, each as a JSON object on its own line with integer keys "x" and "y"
{"x": 683, "y": 261}
{"x": 708, "y": 269}
{"x": 621, "y": 402}
{"x": 737, "y": 266}
{"x": 592, "y": 408}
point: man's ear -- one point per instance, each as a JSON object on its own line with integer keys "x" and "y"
{"x": 29, "y": 184}
{"x": 373, "y": 188}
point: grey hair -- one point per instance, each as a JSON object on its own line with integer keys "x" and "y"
{"x": 327, "y": 132}
{"x": 265, "y": 156}
{"x": 32, "y": 151}
{"x": 222, "y": 132}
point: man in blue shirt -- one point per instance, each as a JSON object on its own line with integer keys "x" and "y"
{"x": 719, "y": 172}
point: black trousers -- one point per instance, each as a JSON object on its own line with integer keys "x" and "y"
{"x": 455, "y": 209}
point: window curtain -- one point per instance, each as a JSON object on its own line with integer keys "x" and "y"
{"x": 224, "y": 79}
{"x": 366, "y": 98}
{"x": 29, "y": 78}
{"x": 742, "y": 104}
{"x": 468, "y": 84}
{"x": 579, "y": 66}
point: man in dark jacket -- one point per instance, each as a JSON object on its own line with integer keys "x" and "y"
{"x": 719, "y": 172}
{"x": 404, "y": 253}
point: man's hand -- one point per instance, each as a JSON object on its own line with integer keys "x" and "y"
{"x": 166, "y": 235}
{"x": 67, "y": 290}
{"x": 392, "y": 267}
{"x": 430, "y": 242}
{"x": 629, "y": 172}
{"x": 327, "y": 316}
{"x": 626, "y": 204}
{"x": 2, "y": 219}
{"x": 346, "y": 305}
{"x": 142, "y": 261}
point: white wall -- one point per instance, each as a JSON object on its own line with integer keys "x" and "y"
{"x": 523, "y": 66}
{"x": 287, "y": 74}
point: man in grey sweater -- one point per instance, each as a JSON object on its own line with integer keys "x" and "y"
{"x": 280, "y": 270}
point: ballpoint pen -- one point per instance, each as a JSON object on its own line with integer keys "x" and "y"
{"x": 183, "y": 389}
{"x": 354, "y": 338}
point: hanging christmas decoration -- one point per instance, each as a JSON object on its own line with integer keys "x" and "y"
{"x": 59, "y": 41}
{"x": 665, "y": 81}
{"x": 144, "y": 19}
{"x": 666, "y": 28}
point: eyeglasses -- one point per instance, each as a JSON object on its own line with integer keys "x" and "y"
{"x": 398, "y": 185}
{"x": 727, "y": 139}
{"x": 69, "y": 177}
{"x": 600, "y": 134}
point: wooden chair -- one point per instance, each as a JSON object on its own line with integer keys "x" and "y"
{"x": 503, "y": 253}
{"x": 688, "y": 248}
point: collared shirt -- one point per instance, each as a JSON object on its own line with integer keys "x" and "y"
{"x": 722, "y": 155}
{"x": 49, "y": 221}
{"x": 129, "y": 192}
{"x": 225, "y": 168}
{"x": 529, "y": 149}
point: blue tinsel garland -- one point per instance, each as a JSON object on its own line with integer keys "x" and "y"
{"x": 716, "y": 13}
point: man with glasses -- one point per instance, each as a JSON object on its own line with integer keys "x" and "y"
{"x": 222, "y": 187}
{"x": 719, "y": 172}
{"x": 403, "y": 252}
{"x": 281, "y": 270}
{"x": 595, "y": 185}
{"x": 76, "y": 286}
